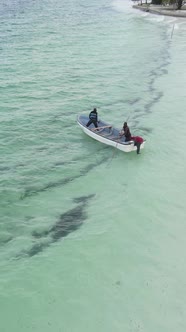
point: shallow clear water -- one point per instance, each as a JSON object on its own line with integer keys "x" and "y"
{"x": 91, "y": 239}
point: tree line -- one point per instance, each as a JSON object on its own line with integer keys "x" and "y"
{"x": 178, "y": 3}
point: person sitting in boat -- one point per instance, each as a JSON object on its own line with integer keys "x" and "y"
{"x": 126, "y": 132}
{"x": 137, "y": 142}
{"x": 93, "y": 118}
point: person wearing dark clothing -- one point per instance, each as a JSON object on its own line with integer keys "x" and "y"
{"x": 137, "y": 142}
{"x": 126, "y": 132}
{"x": 93, "y": 118}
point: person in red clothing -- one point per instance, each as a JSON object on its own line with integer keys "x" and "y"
{"x": 137, "y": 142}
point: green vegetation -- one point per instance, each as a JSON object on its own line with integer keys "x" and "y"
{"x": 178, "y": 3}
{"x": 157, "y": 2}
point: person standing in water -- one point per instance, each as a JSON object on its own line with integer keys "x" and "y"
{"x": 93, "y": 118}
{"x": 137, "y": 142}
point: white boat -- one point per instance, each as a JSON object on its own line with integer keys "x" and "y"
{"x": 107, "y": 134}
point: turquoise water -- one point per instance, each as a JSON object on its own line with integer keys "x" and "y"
{"x": 91, "y": 239}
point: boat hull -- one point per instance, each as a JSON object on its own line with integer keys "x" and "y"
{"x": 107, "y": 135}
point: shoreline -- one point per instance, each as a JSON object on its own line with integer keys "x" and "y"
{"x": 161, "y": 10}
